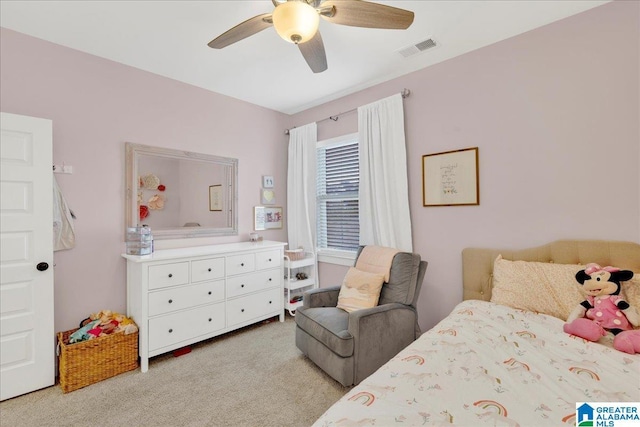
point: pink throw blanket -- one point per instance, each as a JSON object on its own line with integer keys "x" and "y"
{"x": 376, "y": 259}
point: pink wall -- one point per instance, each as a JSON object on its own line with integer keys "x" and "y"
{"x": 96, "y": 105}
{"x": 555, "y": 115}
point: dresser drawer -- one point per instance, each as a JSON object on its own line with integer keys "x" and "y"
{"x": 161, "y": 276}
{"x": 184, "y": 325}
{"x": 252, "y": 306}
{"x": 241, "y": 285}
{"x": 177, "y": 298}
{"x": 207, "y": 269}
{"x": 239, "y": 264}
{"x": 268, "y": 259}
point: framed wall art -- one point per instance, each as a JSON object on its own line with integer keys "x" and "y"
{"x": 267, "y": 196}
{"x": 215, "y": 198}
{"x": 267, "y": 217}
{"x": 267, "y": 181}
{"x": 450, "y": 178}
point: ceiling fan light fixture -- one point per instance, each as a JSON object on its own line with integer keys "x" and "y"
{"x": 296, "y": 21}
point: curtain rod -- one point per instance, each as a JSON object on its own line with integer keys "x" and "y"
{"x": 405, "y": 94}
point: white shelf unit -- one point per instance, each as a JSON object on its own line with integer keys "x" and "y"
{"x": 294, "y": 287}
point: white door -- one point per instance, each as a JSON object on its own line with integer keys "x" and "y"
{"x": 27, "y": 338}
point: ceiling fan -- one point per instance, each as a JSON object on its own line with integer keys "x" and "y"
{"x": 297, "y": 21}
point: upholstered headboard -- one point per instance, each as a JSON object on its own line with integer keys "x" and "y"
{"x": 477, "y": 264}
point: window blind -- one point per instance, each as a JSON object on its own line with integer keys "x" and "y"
{"x": 337, "y": 186}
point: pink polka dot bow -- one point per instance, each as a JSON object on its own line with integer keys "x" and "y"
{"x": 594, "y": 268}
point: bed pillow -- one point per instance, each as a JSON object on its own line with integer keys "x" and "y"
{"x": 631, "y": 291}
{"x": 359, "y": 290}
{"x": 537, "y": 286}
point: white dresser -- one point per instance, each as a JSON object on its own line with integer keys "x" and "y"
{"x": 181, "y": 296}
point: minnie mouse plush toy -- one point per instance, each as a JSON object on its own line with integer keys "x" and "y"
{"x": 604, "y": 309}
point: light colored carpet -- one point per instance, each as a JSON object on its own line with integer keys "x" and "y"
{"x": 252, "y": 377}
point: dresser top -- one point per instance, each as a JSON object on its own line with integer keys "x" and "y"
{"x": 165, "y": 254}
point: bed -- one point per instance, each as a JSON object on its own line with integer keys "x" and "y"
{"x": 488, "y": 363}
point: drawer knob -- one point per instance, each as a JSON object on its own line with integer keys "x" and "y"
{"x": 209, "y": 319}
{"x": 269, "y": 302}
{"x": 269, "y": 259}
{"x": 209, "y": 292}
{"x": 170, "y": 330}
{"x": 269, "y": 278}
{"x": 170, "y": 275}
{"x": 242, "y": 286}
{"x": 242, "y": 310}
{"x": 208, "y": 269}
{"x": 170, "y": 301}
{"x": 242, "y": 264}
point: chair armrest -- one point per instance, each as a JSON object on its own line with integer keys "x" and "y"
{"x": 358, "y": 318}
{"x": 379, "y": 334}
{"x": 321, "y": 297}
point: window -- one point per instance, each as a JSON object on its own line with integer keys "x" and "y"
{"x": 337, "y": 199}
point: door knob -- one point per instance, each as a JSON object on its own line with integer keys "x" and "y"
{"x": 42, "y": 266}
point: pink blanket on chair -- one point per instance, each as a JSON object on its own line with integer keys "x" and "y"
{"x": 376, "y": 259}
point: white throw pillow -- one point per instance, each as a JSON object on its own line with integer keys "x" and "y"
{"x": 359, "y": 290}
{"x": 631, "y": 291}
{"x": 537, "y": 286}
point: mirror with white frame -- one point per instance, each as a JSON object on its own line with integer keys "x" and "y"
{"x": 181, "y": 194}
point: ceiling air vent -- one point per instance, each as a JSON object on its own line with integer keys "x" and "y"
{"x": 418, "y": 47}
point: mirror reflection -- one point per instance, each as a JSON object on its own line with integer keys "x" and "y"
{"x": 179, "y": 193}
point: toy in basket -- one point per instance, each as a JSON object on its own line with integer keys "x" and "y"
{"x": 100, "y": 349}
{"x": 294, "y": 254}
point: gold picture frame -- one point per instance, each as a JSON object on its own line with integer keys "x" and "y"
{"x": 215, "y": 198}
{"x": 451, "y": 178}
{"x": 267, "y": 217}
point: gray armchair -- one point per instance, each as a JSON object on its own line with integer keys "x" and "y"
{"x": 351, "y": 346}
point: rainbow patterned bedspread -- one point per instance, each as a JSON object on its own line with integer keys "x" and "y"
{"x": 487, "y": 364}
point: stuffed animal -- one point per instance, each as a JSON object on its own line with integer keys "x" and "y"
{"x": 605, "y": 310}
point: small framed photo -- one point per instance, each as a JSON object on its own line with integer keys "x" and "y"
{"x": 267, "y": 181}
{"x": 451, "y": 178}
{"x": 215, "y": 198}
{"x": 267, "y": 196}
{"x": 267, "y": 217}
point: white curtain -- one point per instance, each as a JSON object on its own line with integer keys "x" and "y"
{"x": 384, "y": 191}
{"x": 301, "y": 188}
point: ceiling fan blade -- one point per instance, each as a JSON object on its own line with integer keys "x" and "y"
{"x": 359, "y": 13}
{"x": 313, "y": 52}
{"x": 242, "y": 31}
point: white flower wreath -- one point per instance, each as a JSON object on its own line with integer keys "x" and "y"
{"x": 156, "y": 202}
{"x": 151, "y": 181}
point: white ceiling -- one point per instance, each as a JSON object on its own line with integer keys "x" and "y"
{"x": 170, "y": 38}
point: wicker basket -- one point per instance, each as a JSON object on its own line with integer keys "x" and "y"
{"x": 294, "y": 254}
{"x": 88, "y": 362}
